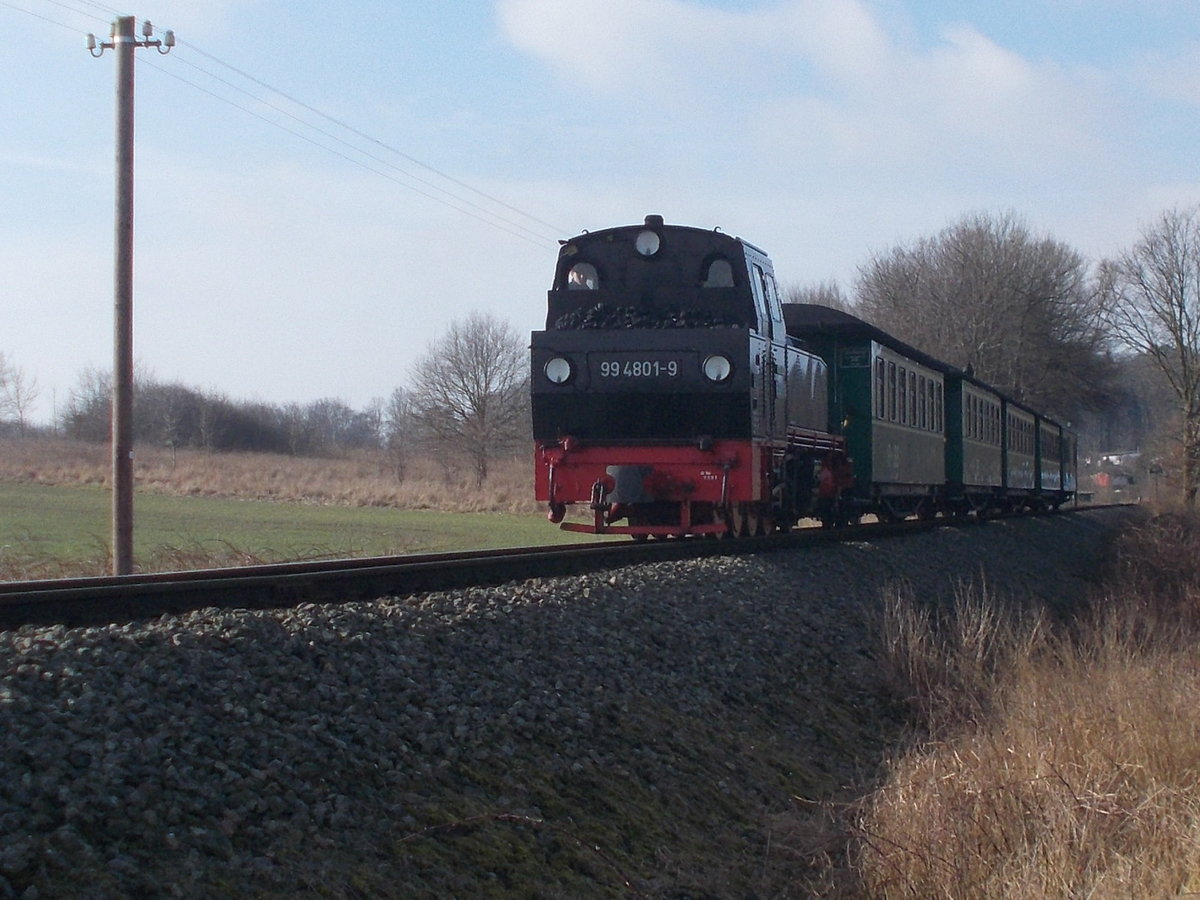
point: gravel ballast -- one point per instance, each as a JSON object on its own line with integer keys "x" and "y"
{"x": 643, "y": 731}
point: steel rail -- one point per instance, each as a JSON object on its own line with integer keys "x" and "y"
{"x": 122, "y": 598}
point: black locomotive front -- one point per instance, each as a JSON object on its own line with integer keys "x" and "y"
{"x": 659, "y": 386}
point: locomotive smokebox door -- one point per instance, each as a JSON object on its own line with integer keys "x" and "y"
{"x": 629, "y": 484}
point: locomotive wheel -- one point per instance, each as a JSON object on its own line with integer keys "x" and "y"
{"x": 753, "y": 521}
{"x": 711, "y": 514}
{"x": 745, "y": 520}
{"x": 762, "y": 522}
{"x": 735, "y": 521}
{"x": 729, "y": 518}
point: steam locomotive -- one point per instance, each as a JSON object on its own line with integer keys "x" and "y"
{"x": 674, "y": 393}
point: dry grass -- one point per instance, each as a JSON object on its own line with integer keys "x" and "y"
{"x": 1056, "y": 763}
{"x": 951, "y": 664}
{"x": 363, "y": 479}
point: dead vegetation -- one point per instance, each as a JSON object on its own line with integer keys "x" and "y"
{"x": 362, "y": 478}
{"x": 1055, "y": 760}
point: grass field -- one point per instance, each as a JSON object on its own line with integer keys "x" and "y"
{"x": 205, "y": 510}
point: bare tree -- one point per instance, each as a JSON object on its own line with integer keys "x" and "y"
{"x": 329, "y": 423}
{"x": 825, "y": 293}
{"x": 987, "y": 295}
{"x": 1152, "y": 306}
{"x": 399, "y": 431}
{"x": 18, "y": 392}
{"x": 467, "y": 390}
{"x": 88, "y": 411}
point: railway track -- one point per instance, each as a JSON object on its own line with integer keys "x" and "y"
{"x": 110, "y": 599}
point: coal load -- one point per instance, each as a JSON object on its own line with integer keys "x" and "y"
{"x": 606, "y": 316}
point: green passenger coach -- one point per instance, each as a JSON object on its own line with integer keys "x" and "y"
{"x": 974, "y": 445}
{"x": 925, "y": 437}
{"x": 889, "y": 401}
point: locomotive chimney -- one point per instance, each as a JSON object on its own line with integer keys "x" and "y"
{"x": 654, "y": 221}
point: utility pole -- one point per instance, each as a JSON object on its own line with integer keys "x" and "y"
{"x": 123, "y": 43}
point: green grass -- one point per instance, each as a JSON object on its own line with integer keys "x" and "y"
{"x": 39, "y": 522}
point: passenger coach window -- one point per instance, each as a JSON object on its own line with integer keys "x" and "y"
{"x": 719, "y": 274}
{"x": 583, "y": 277}
{"x": 903, "y": 396}
{"x": 880, "y": 403}
{"x": 891, "y": 392}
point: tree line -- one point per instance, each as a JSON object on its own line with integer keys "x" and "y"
{"x": 467, "y": 404}
{"x": 1111, "y": 349}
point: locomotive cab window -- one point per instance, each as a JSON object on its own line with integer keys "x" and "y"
{"x": 583, "y": 277}
{"x": 758, "y": 287}
{"x": 718, "y": 274}
{"x": 774, "y": 305}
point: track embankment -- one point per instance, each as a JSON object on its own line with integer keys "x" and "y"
{"x": 638, "y": 732}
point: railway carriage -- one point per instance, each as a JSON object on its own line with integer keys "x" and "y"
{"x": 975, "y": 473}
{"x": 1020, "y": 455}
{"x": 1056, "y": 463}
{"x": 889, "y": 401}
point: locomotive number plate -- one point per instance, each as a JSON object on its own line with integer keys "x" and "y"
{"x": 636, "y": 366}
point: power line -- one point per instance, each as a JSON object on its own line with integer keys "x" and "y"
{"x": 493, "y": 218}
{"x": 475, "y": 208}
{"x": 76, "y": 9}
{"x": 107, "y": 10}
{"x": 525, "y": 236}
{"x": 47, "y": 19}
{"x": 357, "y": 132}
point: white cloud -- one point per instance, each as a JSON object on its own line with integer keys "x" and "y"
{"x": 828, "y": 76}
{"x": 1174, "y": 78}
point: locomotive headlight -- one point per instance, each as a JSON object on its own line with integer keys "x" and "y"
{"x": 647, "y": 243}
{"x": 558, "y": 370}
{"x": 717, "y": 368}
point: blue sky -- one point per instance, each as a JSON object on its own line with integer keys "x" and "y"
{"x": 283, "y": 256}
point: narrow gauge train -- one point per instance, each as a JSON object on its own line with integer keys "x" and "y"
{"x": 673, "y": 391}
